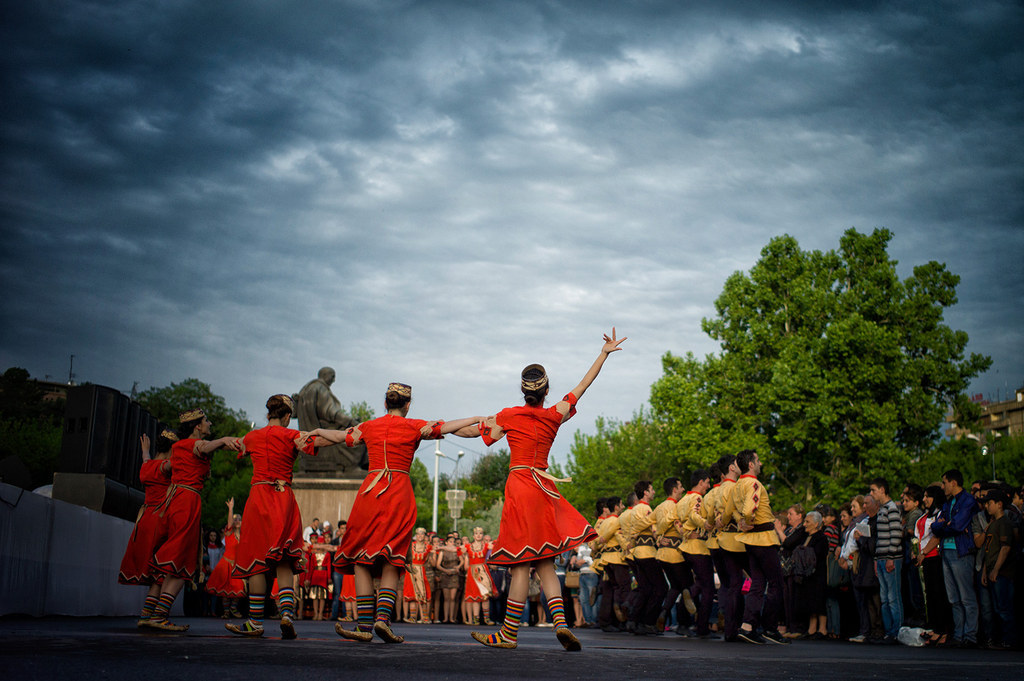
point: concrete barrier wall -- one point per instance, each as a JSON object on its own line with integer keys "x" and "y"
{"x": 60, "y": 559}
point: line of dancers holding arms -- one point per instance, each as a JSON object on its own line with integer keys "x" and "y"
{"x": 537, "y": 523}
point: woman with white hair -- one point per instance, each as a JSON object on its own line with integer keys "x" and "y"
{"x": 810, "y": 574}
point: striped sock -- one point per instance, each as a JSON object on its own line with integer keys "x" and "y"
{"x": 163, "y": 607}
{"x": 148, "y": 606}
{"x": 364, "y": 612}
{"x": 286, "y": 601}
{"x": 557, "y": 609}
{"x": 385, "y": 603}
{"x": 256, "y": 605}
{"x": 510, "y": 629}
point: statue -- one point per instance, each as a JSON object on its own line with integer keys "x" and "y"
{"x": 317, "y": 407}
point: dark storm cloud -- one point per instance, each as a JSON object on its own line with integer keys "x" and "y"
{"x": 442, "y": 192}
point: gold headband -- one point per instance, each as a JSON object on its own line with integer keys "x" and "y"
{"x": 191, "y": 415}
{"x": 287, "y": 401}
{"x": 537, "y": 383}
{"x": 169, "y": 435}
{"x": 400, "y": 389}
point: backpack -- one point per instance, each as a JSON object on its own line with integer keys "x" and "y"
{"x": 804, "y": 561}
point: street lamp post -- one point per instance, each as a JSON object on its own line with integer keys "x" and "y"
{"x": 985, "y": 450}
{"x": 437, "y": 460}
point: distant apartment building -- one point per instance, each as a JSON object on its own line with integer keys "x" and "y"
{"x": 998, "y": 419}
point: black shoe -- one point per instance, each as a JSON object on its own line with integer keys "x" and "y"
{"x": 609, "y": 629}
{"x": 776, "y": 638}
{"x": 751, "y": 637}
{"x": 685, "y": 631}
{"x": 710, "y": 636}
{"x": 890, "y": 641}
{"x": 734, "y": 639}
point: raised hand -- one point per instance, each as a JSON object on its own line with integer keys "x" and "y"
{"x": 612, "y": 344}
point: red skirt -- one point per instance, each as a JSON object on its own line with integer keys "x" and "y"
{"x": 221, "y": 583}
{"x": 379, "y": 528}
{"x": 273, "y": 532}
{"x": 417, "y": 587}
{"x": 178, "y": 555}
{"x": 147, "y": 535}
{"x": 536, "y": 525}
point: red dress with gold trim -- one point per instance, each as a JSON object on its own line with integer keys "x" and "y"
{"x": 149, "y": 528}
{"x": 383, "y": 516}
{"x": 221, "y": 583}
{"x": 178, "y": 555}
{"x": 318, "y": 574}
{"x": 273, "y": 526}
{"x": 536, "y": 521}
{"x": 479, "y": 586}
{"x": 417, "y": 586}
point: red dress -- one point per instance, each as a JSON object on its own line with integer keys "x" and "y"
{"x": 273, "y": 527}
{"x": 318, "y": 574}
{"x": 221, "y": 583}
{"x": 479, "y": 586}
{"x": 383, "y": 516}
{"x": 536, "y": 521}
{"x": 417, "y": 586}
{"x": 178, "y": 555}
{"x": 148, "y": 533}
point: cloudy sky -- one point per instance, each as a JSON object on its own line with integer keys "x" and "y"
{"x": 442, "y": 192}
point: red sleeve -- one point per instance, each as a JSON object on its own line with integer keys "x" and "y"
{"x": 485, "y": 433}
{"x": 435, "y": 432}
{"x": 349, "y": 440}
{"x": 572, "y": 400}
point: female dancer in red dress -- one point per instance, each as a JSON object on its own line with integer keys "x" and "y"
{"x": 177, "y": 558}
{"x": 221, "y": 583}
{"x": 155, "y": 475}
{"x": 479, "y": 586}
{"x": 318, "y": 574}
{"x": 537, "y": 524}
{"x": 272, "y": 542}
{"x": 384, "y": 513}
{"x": 417, "y": 586}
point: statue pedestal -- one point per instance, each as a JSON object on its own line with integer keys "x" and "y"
{"x": 328, "y": 499}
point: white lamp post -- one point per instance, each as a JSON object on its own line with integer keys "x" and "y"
{"x": 437, "y": 460}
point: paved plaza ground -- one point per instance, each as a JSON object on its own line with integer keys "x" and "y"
{"x": 97, "y": 648}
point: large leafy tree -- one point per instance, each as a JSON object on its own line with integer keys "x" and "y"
{"x": 840, "y": 368}
{"x": 229, "y": 476}
{"x": 30, "y": 429}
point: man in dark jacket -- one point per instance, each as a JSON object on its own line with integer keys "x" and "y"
{"x": 953, "y": 527}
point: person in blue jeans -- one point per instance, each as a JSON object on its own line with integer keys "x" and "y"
{"x": 888, "y": 558}
{"x": 952, "y": 527}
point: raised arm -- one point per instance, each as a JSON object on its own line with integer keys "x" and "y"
{"x": 144, "y": 443}
{"x": 610, "y": 345}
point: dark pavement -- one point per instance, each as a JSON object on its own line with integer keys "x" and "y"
{"x": 96, "y": 648}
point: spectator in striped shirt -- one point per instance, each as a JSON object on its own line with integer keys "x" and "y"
{"x": 888, "y": 558}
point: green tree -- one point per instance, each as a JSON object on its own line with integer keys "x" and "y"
{"x": 229, "y": 475}
{"x": 30, "y": 428}
{"x": 840, "y": 368}
{"x": 361, "y": 411}
{"x": 611, "y": 460}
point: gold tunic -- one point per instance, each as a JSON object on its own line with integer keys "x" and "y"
{"x": 643, "y": 531}
{"x": 690, "y": 513}
{"x": 626, "y": 534}
{"x": 728, "y": 538}
{"x": 608, "y": 530}
{"x": 708, "y": 511}
{"x": 665, "y": 528}
{"x": 754, "y": 506}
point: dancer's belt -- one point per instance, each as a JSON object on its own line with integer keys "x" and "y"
{"x": 540, "y": 474}
{"x": 644, "y": 540}
{"x": 162, "y": 508}
{"x": 380, "y": 474}
{"x": 762, "y": 527}
{"x": 673, "y": 542}
{"x": 279, "y": 485}
{"x": 731, "y": 527}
